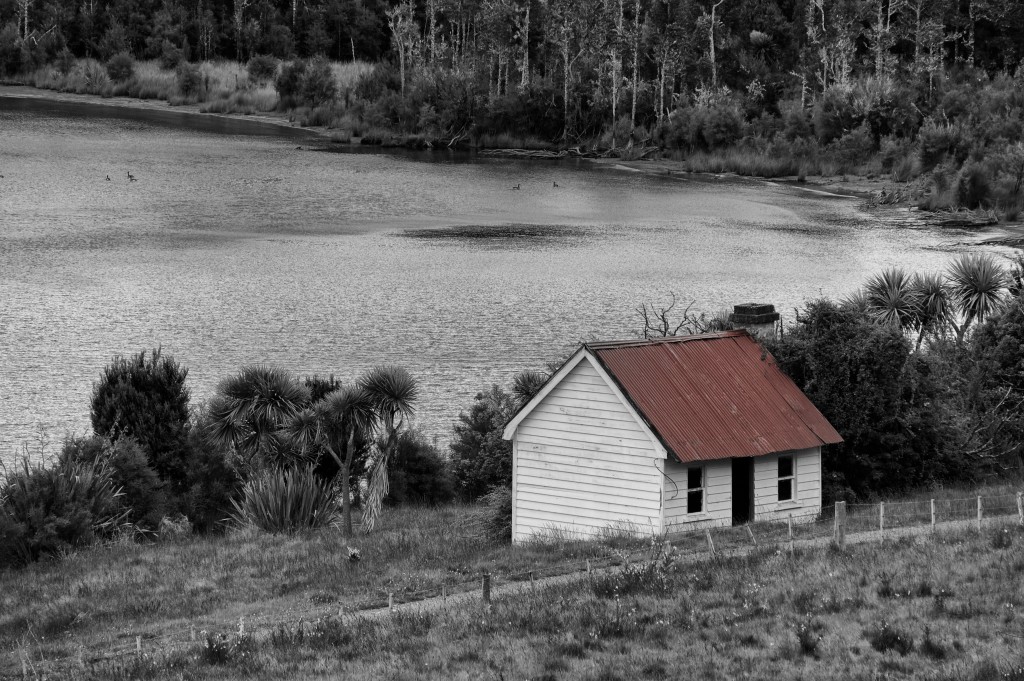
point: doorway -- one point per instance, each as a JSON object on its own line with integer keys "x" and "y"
{"x": 742, "y": 490}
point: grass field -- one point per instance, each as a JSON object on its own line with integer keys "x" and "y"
{"x": 944, "y": 607}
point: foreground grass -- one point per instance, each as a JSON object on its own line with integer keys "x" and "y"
{"x": 107, "y": 595}
{"x": 945, "y": 607}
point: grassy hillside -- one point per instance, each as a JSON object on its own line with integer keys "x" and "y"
{"x": 935, "y": 607}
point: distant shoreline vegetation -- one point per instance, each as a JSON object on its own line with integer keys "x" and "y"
{"x": 926, "y": 95}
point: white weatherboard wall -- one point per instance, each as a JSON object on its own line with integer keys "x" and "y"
{"x": 807, "y": 499}
{"x": 582, "y": 463}
{"x": 717, "y": 495}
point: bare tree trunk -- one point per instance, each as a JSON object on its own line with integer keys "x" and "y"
{"x": 526, "y": 49}
{"x": 636, "y": 65}
{"x": 346, "y": 484}
{"x": 617, "y": 68}
{"x": 565, "y": 92}
{"x": 711, "y": 46}
{"x": 432, "y": 8}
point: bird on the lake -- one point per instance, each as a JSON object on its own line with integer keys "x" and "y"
{"x": 131, "y": 178}
{"x": 108, "y": 178}
{"x": 554, "y": 184}
{"x": 516, "y": 187}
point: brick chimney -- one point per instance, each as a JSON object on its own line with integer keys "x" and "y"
{"x": 760, "y": 319}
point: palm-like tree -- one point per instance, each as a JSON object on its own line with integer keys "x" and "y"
{"x": 332, "y": 425}
{"x": 935, "y": 308}
{"x": 250, "y": 409}
{"x": 977, "y": 286}
{"x": 393, "y": 392}
{"x": 526, "y": 384}
{"x": 891, "y": 298}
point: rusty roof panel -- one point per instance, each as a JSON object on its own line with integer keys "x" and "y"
{"x": 714, "y": 396}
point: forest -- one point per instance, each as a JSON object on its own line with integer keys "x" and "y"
{"x": 927, "y": 94}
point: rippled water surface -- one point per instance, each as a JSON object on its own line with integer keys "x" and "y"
{"x": 233, "y": 248}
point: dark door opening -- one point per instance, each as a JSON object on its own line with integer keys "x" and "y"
{"x": 742, "y": 490}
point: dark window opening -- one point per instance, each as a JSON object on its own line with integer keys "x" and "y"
{"x": 786, "y": 478}
{"x": 695, "y": 490}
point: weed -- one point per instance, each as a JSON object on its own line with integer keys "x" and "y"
{"x": 808, "y": 638}
{"x": 221, "y": 649}
{"x": 931, "y": 647}
{"x": 887, "y": 637}
{"x": 1002, "y": 539}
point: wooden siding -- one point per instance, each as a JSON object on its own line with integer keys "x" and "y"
{"x": 583, "y": 464}
{"x": 807, "y": 499}
{"x": 717, "y": 495}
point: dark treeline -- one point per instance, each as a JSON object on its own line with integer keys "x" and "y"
{"x": 600, "y": 60}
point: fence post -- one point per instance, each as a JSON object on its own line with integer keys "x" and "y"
{"x": 711, "y": 544}
{"x": 444, "y": 593}
{"x": 881, "y": 516}
{"x": 933, "y": 515}
{"x": 789, "y": 527}
{"x": 979, "y": 512}
{"x": 1020, "y": 507}
{"x": 752, "y": 537}
{"x": 533, "y": 584}
{"x": 391, "y": 601}
{"x": 841, "y": 523}
{"x": 138, "y": 645}
{"x": 487, "y": 588}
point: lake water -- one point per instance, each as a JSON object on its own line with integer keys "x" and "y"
{"x": 235, "y": 247}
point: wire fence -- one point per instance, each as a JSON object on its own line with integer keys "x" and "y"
{"x": 839, "y": 523}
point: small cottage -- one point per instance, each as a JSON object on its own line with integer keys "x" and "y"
{"x": 665, "y": 435}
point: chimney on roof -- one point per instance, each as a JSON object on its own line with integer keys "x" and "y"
{"x": 760, "y": 319}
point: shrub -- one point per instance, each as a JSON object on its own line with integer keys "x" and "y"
{"x": 973, "y": 186}
{"x": 170, "y": 56}
{"x": 120, "y": 67}
{"x": 142, "y": 493}
{"x": 11, "y": 54}
{"x": 648, "y": 577}
{"x": 887, "y": 637}
{"x": 480, "y": 459}
{"x": 190, "y": 79}
{"x": 286, "y": 501}
{"x": 318, "y": 86}
{"x": 262, "y": 68}
{"x": 145, "y": 397}
{"x": 835, "y": 114}
{"x": 938, "y": 142}
{"x": 498, "y": 514}
{"x": 48, "y": 510}
{"x": 204, "y": 496}
{"x": 289, "y": 83}
{"x": 418, "y": 473}
{"x": 808, "y": 638}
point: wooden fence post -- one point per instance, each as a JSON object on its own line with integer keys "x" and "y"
{"x": 487, "y": 588}
{"x": 789, "y": 527}
{"x": 711, "y": 544}
{"x": 841, "y": 523}
{"x": 444, "y": 593}
{"x": 881, "y": 516}
{"x": 933, "y": 515}
{"x": 391, "y": 601}
{"x": 1020, "y": 507}
{"x": 533, "y": 584}
{"x": 979, "y": 512}
{"x": 138, "y": 645}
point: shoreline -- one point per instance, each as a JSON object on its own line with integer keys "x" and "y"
{"x": 843, "y": 187}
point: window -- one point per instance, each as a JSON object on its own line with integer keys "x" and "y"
{"x": 694, "y": 490}
{"x": 787, "y": 482}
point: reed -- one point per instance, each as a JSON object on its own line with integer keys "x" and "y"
{"x": 286, "y": 501}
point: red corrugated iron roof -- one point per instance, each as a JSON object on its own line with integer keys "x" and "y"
{"x": 714, "y": 396}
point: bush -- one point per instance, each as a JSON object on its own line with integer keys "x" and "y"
{"x": 190, "y": 79}
{"x": 121, "y": 67}
{"x": 973, "y": 186}
{"x": 835, "y": 114}
{"x": 289, "y": 83}
{"x": 145, "y": 397}
{"x": 498, "y": 514}
{"x": 318, "y": 86}
{"x": 480, "y": 459}
{"x": 170, "y": 56}
{"x": 142, "y": 493}
{"x": 418, "y": 473}
{"x": 648, "y": 577}
{"x": 49, "y": 510}
{"x": 887, "y": 637}
{"x": 11, "y": 55}
{"x": 262, "y": 68}
{"x": 286, "y": 501}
